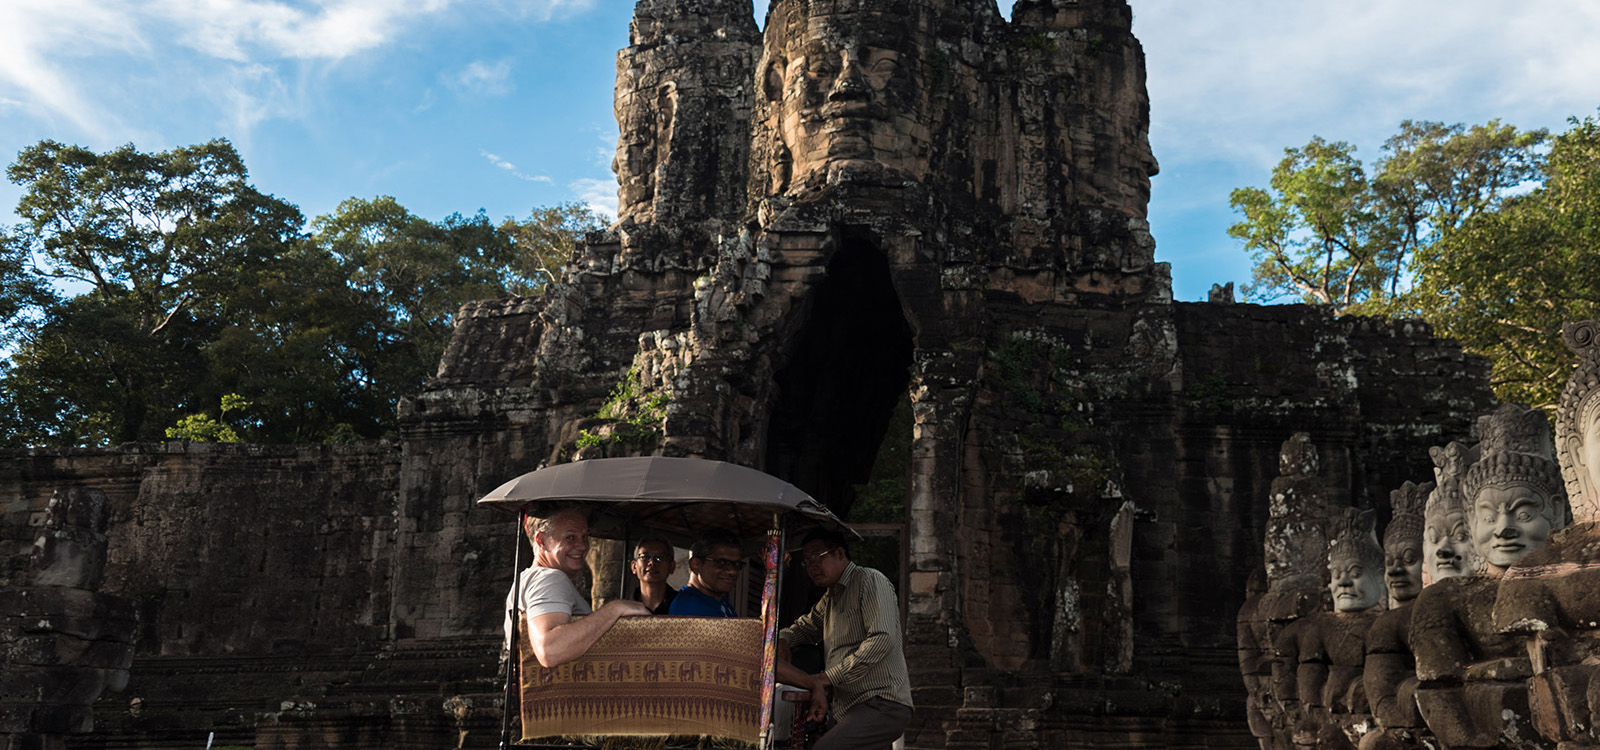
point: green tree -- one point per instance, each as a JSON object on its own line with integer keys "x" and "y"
{"x": 1327, "y": 233}
{"x": 143, "y": 289}
{"x": 545, "y": 243}
{"x": 1505, "y": 280}
{"x": 138, "y": 252}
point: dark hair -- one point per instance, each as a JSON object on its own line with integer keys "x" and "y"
{"x": 652, "y": 539}
{"x": 830, "y": 537}
{"x": 714, "y": 538}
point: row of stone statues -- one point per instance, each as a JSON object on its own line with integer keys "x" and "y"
{"x": 1475, "y": 623}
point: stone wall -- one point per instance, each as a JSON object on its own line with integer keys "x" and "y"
{"x": 931, "y": 204}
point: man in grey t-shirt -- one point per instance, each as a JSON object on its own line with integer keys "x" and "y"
{"x": 561, "y": 625}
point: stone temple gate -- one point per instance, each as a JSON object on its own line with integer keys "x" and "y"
{"x": 869, "y": 203}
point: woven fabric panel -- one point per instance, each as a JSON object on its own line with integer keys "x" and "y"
{"x": 651, "y": 676}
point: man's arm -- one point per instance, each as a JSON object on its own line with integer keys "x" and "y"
{"x": 558, "y": 639}
{"x": 789, "y": 674}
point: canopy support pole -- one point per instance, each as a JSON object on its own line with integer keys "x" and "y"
{"x": 627, "y": 560}
{"x": 514, "y": 659}
{"x": 769, "y": 618}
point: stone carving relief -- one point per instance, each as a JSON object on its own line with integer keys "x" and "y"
{"x": 1491, "y": 635}
{"x": 1578, "y": 422}
{"x": 1473, "y": 690}
{"x": 1389, "y": 674}
{"x": 843, "y": 93}
{"x": 1446, "y": 541}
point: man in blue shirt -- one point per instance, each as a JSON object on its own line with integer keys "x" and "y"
{"x": 715, "y": 563}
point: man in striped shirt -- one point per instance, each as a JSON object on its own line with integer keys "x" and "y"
{"x": 857, "y": 621}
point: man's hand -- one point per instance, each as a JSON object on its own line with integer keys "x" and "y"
{"x": 626, "y": 608}
{"x": 820, "y": 685}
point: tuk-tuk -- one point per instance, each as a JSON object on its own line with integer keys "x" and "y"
{"x": 663, "y": 677}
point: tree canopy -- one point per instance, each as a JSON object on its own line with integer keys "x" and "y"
{"x": 1488, "y": 233}
{"x": 1329, "y": 234}
{"x": 153, "y": 295}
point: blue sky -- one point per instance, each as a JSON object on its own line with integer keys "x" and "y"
{"x": 503, "y": 105}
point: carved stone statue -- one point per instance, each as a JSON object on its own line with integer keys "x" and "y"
{"x": 1326, "y": 651}
{"x": 1578, "y": 422}
{"x": 1447, "y": 541}
{"x": 1254, "y": 638}
{"x": 1390, "y": 671}
{"x": 1295, "y": 554}
{"x": 842, "y": 93}
{"x": 1550, "y": 599}
{"x": 1472, "y": 690}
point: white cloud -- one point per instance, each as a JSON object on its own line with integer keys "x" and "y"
{"x": 37, "y": 40}
{"x": 241, "y": 30}
{"x": 479, "y": 77}
{"x": 428, "y": 100}
{"x": 512, "y": 168}
{"x": 1223, "y": 73}
{"x": 599, "y": 195}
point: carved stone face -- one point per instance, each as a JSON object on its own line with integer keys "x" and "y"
{"x": 1508, "y": 522}
{"x": 1355, "y": 585}
{"x": 1402, "y": 570}
{"x": 848, "y": 104}
{"x": 1447, "y": 546}
{"x": 1591, "y": 447}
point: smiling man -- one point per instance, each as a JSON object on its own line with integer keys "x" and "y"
{"x": 715, "y": 563}
{"x": 857, "y": 621}
{"x": 653, "y": 563}
{"x": 561, "y": 624}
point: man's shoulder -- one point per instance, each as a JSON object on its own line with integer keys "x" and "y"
{"x": 692, "y": 601}
{"x": 870, "y": 579}
{"x": 541, "y": 576}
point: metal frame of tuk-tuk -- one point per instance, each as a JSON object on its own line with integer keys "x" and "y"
{"x": 801, "y": 510}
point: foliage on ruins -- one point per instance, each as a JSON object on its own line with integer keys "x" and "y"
{"x": 1328, "y": 233}
{"x": 141, "y": 289}
{"x": 635, "y": 414}
{"x": 1505, "y": 281}
{"x": 545, "y": 242}
{"x": 1487, "y": 233}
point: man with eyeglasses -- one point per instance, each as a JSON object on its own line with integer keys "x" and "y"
{"x": 857, "y": 621}
{"x": 715, "y": 563}
{"x": 652, "y": 564}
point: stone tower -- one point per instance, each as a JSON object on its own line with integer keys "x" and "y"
{"x": 877, "y": 201}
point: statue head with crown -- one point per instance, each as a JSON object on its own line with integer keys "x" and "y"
{"x": 1514, "y": 491}
{"x": 1355, "y": 562}
{"x": 1402, "y": 542}
{"x": 1446, "y": 537}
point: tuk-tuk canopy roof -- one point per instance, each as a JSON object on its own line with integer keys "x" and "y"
{"x": 679, "y": 498}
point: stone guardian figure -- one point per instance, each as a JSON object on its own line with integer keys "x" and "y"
{"x": 1550, "y": 599}
{"x": 1327, "y": 651}
{"x": 1472, "y": 677}
{"x": 1390, "y": 673}
{"x": 1446, "y": 538}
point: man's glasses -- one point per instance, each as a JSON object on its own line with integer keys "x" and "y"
{"x": 810, "y": 560}
{"x": 647, "y": 559}
{"x": 725, "y": 564}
